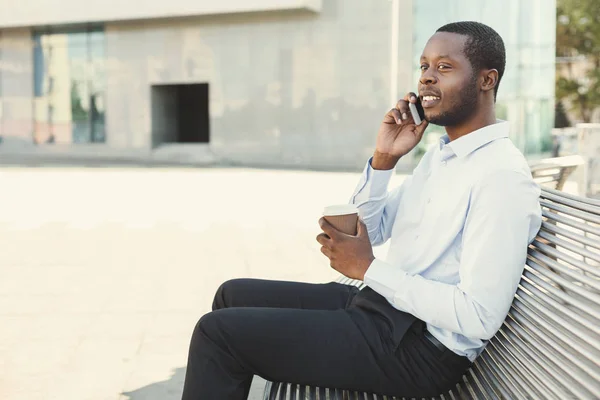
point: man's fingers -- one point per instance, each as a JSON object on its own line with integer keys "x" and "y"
{"x": 402, "y": 107}
{"x": 324, "y": 240}
{"x": 421, "y": 128}
{"x": 328, "y": 228}
{"x": 326, "y": 251}
{"x": 412, "y": 97}
{"x": 393, "y": 117}
{"x": 397, "y": 116}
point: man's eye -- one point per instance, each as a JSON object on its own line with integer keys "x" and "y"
{"x": 443, "y": 67}
{"x": 424, "y": 67}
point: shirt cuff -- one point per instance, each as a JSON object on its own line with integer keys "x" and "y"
{"x": 373, "y": 184}
{"x": 381, "y": 275}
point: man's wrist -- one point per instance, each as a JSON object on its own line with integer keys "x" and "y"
{"x": 383, "y": 161}
{"x": 366, "y": 268}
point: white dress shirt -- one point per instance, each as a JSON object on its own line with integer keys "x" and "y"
{"x": 459, "y": 229}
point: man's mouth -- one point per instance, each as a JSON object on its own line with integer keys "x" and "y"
{"x": 429, "y": 101}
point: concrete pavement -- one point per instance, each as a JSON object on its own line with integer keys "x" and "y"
{"x": 104, "y": 272}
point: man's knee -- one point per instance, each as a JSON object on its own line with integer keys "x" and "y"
{"x": 208, "y": 327}
{"x": 225, "y": 292}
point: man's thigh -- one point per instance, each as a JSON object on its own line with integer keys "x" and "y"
{"x": 314, "y": 347}
{"x": 281, "y": 294}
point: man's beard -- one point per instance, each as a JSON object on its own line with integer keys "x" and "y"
{"x": 461, "y": 108}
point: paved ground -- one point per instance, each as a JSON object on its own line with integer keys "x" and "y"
{"x": 104, "y": 272}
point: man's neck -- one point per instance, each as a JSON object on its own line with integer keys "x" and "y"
{"x": 477, "y": 121}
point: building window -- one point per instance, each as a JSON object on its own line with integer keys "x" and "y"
{"x": 69, "y": 87}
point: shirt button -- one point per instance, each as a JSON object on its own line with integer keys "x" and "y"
{"x": 429, "y": 200}
{"x": 444, "y": 163}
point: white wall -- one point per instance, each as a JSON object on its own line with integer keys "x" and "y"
{"x": 15, "y": 13}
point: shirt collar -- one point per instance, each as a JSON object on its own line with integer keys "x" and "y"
{"x": 465, "y": 145}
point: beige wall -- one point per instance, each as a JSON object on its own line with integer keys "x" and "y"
{"x": 285, "y": 89}
{"x": 16, "y": 86}
{"x": 53, "y": 12}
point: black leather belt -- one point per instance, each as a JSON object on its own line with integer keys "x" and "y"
{"x": 435, "y": 342}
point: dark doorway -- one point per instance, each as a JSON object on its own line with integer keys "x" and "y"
{"x": 180, "y": 114}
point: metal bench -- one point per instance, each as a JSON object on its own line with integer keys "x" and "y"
{"x": 555, "y": 171}
{"x": 549, "y": 345}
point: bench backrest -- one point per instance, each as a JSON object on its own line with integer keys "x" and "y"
{"x": 549, "y": 345}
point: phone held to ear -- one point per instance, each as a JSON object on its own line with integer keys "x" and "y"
{"x": 416, "y": 110}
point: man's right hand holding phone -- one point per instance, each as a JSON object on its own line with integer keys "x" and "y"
{"x": 398, "y": 134}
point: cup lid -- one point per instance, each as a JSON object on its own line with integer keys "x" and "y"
{"x": 340, "y": 209}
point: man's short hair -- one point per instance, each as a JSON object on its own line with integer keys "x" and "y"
{"x": 483, "y": 49}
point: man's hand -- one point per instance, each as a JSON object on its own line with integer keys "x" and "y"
{"x": 349, "y": 255}
{"x": 397, "y": 135}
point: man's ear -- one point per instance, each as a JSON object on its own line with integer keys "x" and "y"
{"x": 490, "y": 79}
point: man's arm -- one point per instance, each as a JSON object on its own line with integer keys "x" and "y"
{"x": 503, "y": 218}
{"x": 396, "y": 137}
{"x": 377, "y": 206}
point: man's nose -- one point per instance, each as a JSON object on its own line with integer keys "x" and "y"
{"x": 428, "y": 78}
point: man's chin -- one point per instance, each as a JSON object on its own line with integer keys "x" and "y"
{"x": 434, "y": 119}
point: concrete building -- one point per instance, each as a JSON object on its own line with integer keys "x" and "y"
{"x": 284, "y": 83}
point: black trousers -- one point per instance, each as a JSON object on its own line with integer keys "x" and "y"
{"x": 327, "y": 335}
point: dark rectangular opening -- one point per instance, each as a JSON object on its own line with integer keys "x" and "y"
{"x": 180, "y": 114}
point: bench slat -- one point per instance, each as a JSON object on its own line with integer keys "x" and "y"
{"x": 583, "y": 370}
{"x": 578, "y": 306}
{"x": 525, "y": 380}
{"x": 548, "y": 370}
{"x": 535, "y": 259}
{"x": 584, "y": 227}
{"x": 520, "y": 364}
{"x": 485, "y": 382}
{"x": 529, "y": 373}
{"x": 466, "y": 389}
{"x": 560, "y": 197}
{"x": 577, "y": 249}
{"x": 575, "y": 236}
{"x": 563, "y": 337}
{"x": 586, "y": 216}
{"x": 577, "y": 292}
{"x": 481, "y": 385}
{"x": 583, "y": 334}
{"x": 273, "y": 391}
{"x": 514, "y": 386}
{"x": 494, "y": 376}
{"x": 574, "y": 203}
{"x": 578, "y": 318}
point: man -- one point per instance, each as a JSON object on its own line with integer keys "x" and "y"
{"x": 459, "y": 230}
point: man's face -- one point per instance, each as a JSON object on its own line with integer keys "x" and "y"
{"x": 448, "y": 85}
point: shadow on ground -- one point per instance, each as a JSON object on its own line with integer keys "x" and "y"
{"x": 171, "y": 389}
{"x": 163, "y": 390}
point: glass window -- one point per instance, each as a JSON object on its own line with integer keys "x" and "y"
{"x": 69, "y": 87}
